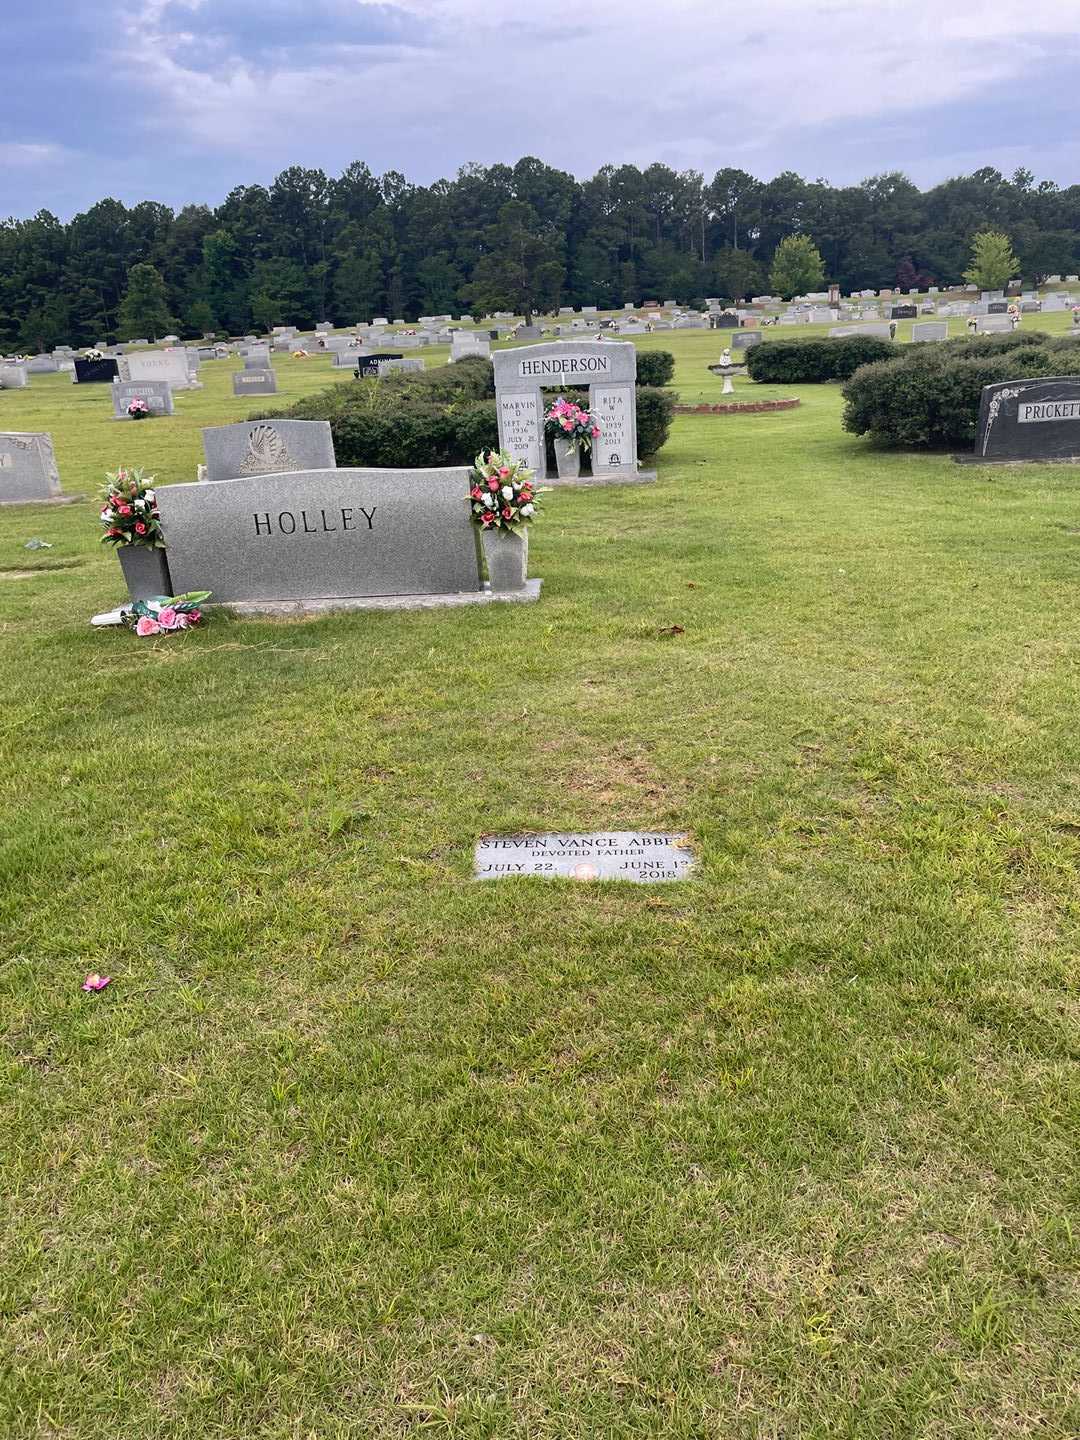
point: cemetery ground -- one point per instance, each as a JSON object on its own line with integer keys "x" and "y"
{"x": 355, "y": 1147}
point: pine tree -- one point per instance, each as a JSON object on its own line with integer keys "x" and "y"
{"x": 144, "y": 310}
{"x": 993, "y": 263}
{"x": 797, "y": 266}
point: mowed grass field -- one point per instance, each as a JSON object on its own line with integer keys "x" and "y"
{"x": 354, "y": 1148}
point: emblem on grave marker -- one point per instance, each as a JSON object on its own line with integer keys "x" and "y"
{"x": 267, "y": 453}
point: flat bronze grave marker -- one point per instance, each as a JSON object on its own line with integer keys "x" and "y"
{"x": 633, "y": 855}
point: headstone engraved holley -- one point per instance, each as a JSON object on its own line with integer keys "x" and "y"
{"x": 319, "y": 538}
{"x": 607, "y": 367}
{"x": 640, "y": 857}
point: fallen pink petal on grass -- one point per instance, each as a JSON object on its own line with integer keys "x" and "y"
{"x": 96, "y": 982}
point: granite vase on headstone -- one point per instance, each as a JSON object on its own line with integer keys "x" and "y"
{"x": 506, "y": 555}
{"x": 146, "y": 571}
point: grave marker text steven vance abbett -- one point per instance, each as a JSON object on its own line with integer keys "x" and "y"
{"x": 639, "y": 856}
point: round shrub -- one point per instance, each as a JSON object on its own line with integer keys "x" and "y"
{"x": 930, "y": 394}
{"x": 655, "y": 409}
{"x": 814, "y": 359}
{"x": 655, "y": 367}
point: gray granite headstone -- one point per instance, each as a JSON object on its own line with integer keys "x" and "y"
{"x": 1030, "y": 420}
{"x": 42, "y": 365}
{"x": 608, "y": 367}
{"x": 609, "y": 855}
{"x": 27, "y": 468}
{"x": 171, "y": 365}
{"x": 323, "y": 535}
{"x": 746, "y": 340}
{"x": 13, "y": 376}
{"x": 993, "y": 324}
{"x": 156, "y": 393}
{"x": 267, "y": 447}
{"x": 251, "y": 381}
{"x": 930, "y": 330}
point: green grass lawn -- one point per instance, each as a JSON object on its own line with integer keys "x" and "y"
{"x": 354, "y": 1147}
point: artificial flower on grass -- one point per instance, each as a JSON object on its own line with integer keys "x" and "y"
{"x": 165, "y": 614}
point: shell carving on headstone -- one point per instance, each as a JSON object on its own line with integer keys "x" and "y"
{"x": 267, "y": 453}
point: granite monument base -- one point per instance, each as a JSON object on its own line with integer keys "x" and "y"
{"x": 606, "y": 477}
{"x": 297, "y": 609}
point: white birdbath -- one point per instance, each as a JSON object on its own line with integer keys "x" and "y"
{"x": 727, "y": 367}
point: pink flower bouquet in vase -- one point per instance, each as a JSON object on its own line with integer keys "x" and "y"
{"x": 129, "y": 518}
{"x": 503, "y": 501}
{"x": 573, "y": 429}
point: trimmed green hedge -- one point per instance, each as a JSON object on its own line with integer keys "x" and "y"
{"x": 655, "y": 367}
{"x": 929, "y": 394}
{"x": 814, "y": 359}
{"x": 436, "y": 417}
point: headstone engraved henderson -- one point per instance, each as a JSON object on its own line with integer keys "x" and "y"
{"x": 608, "y": 855}
{"x": 1030, "y": 420}
{"x": 608, "y": 368}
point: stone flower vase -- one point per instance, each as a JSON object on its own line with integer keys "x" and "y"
{"x": 506, "y": 554}
{"x": 567, "y": 459}
{"x": 146, "y": 571}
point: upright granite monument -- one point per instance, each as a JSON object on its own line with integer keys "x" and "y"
{"x": 28, "y": 469}
{"x": 328, "y": 539}
{"x": 1029, "y": 420}
{"x": 267, "y": 447}
{"x": 607, "y": 367}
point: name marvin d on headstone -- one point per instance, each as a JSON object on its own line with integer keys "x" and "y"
{"x": 1030, "y": 420}
{"x": 267, "y": 447}
{"x": 27, "y": 468}
{"x": 641, "y": 857}
{"x": 607, "y": 367}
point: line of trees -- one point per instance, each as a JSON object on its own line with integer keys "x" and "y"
{"x": 521, "y": 237}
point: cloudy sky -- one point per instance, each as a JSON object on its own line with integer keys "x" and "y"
{"x": 179, "y": 100}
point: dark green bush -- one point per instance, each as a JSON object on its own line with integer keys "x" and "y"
{"x": 655, "y": 367}
{"x": 929, "y": 394}
{"x": 803, "y": 361}
{"x": 655, "y": 409}
{"x": 437, "y": 417}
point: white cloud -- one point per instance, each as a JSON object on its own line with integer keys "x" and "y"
{"x": 697, "y": 83}
{"x": 17, "y": 155}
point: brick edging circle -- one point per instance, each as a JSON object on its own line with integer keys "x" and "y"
{"x": 740, "y": 407}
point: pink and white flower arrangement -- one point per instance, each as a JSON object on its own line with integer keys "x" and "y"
{"x": 502, "y": 492}
{"x": 130, "y": 513}
{"x": 571, "y": 423}
{"x": 138, "y": 409}
{"x": 166, "y": 614}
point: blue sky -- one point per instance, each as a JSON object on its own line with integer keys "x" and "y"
{"x": 179, "y": 100}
